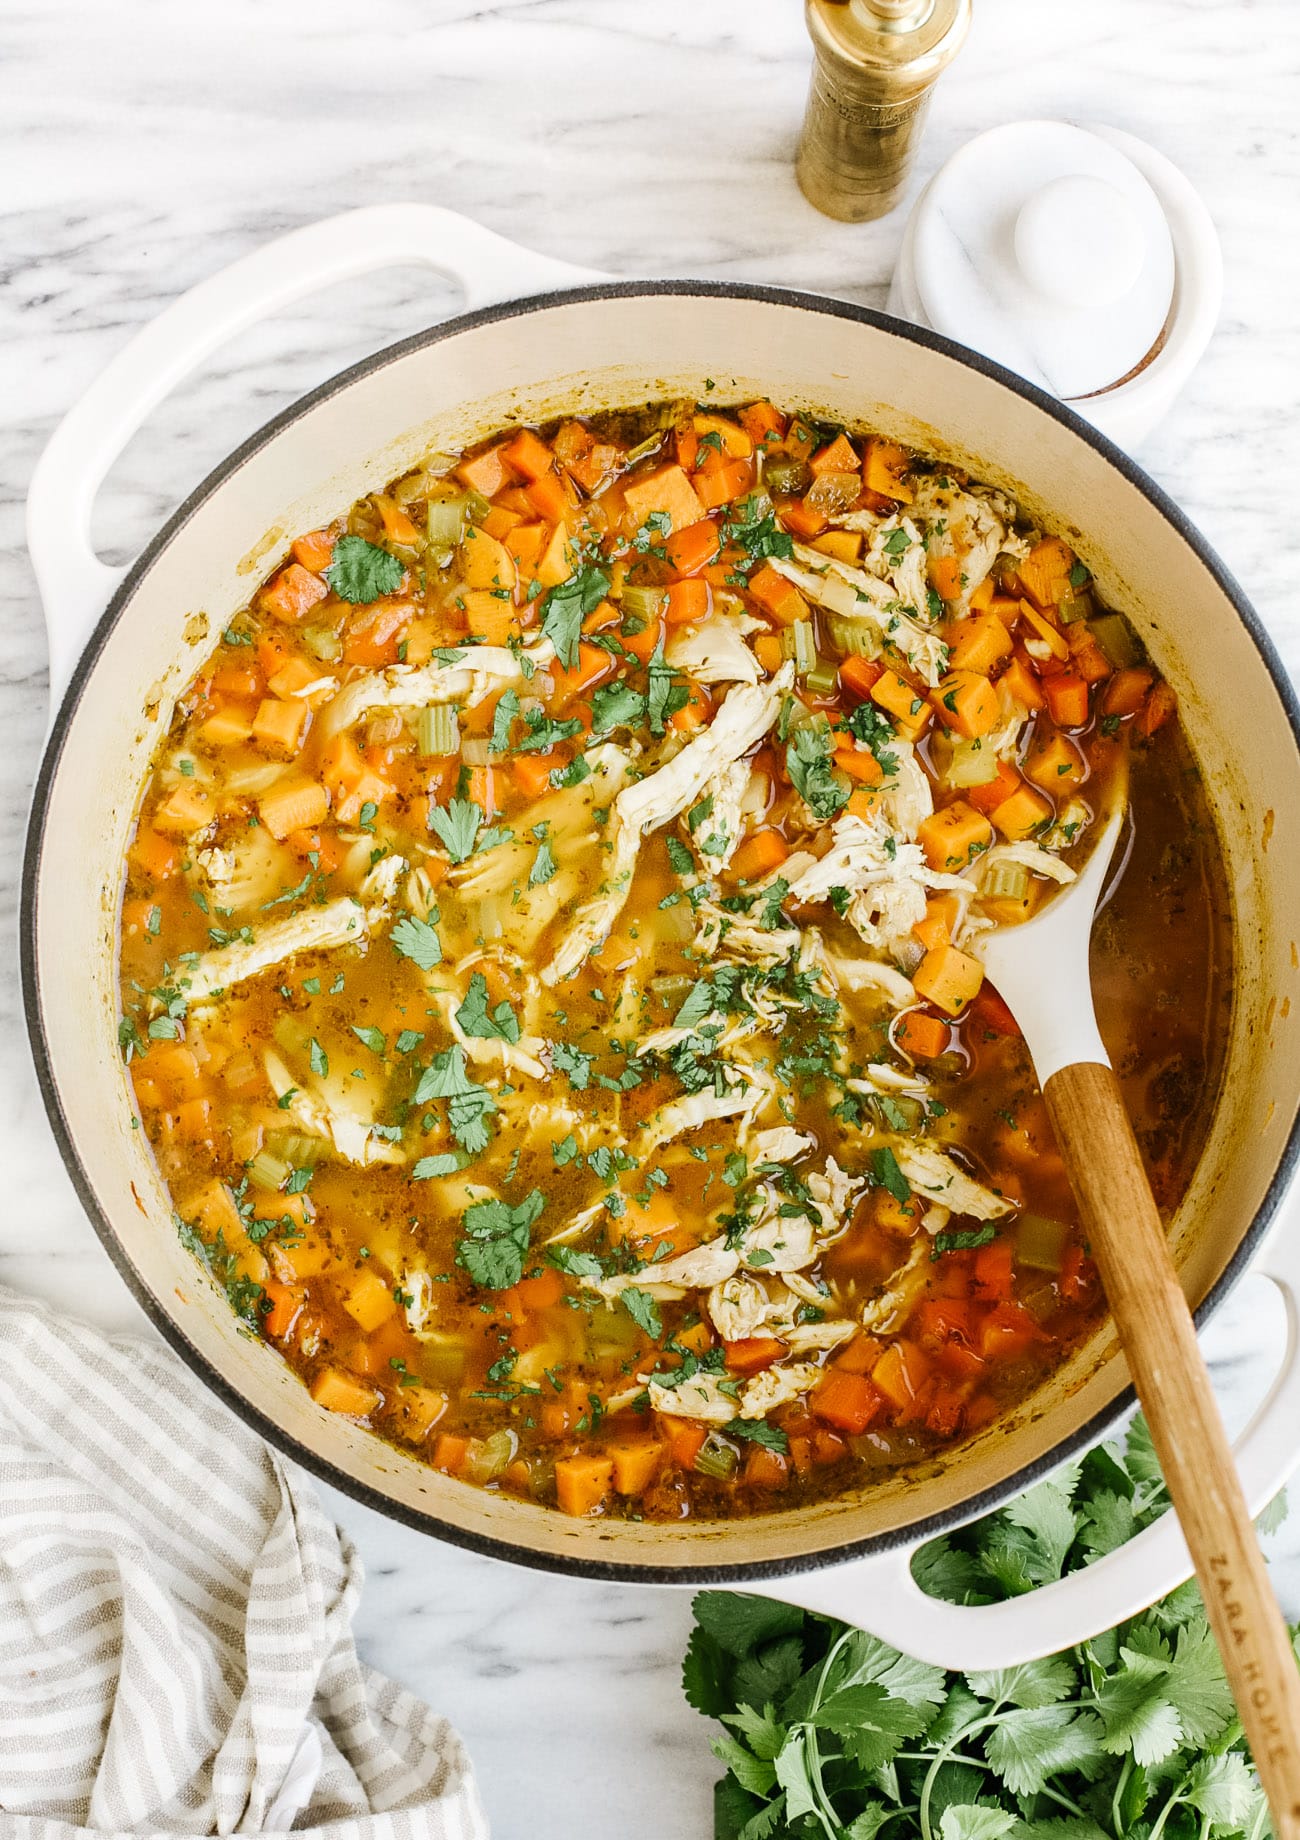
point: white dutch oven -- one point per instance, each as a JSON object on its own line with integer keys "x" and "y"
{"x": 590, "y": 346}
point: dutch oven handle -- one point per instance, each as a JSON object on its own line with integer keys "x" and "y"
{"x": 881, "y": 1595}
{"x": 75, "y": 585}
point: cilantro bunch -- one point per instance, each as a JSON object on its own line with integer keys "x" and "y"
{"x": 833, "y": 1735}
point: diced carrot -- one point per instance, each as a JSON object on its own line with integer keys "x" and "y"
{"x": 803, "y": 520}
{"x": 154, "y": 855}
{"x": 858, "y": 677}
{"x": 687, "y": 601}
{"x": 338, "y": 1391}
{"x": 1086, "y": 656}
{"x": 528, "y": 454}
{"x": 285, "y": 1305}
{"x": 859, "y": 763}
{"x": 187, "y": 808}
{"x": 941, "y": 913}
{"x": 953, "y": 835}
{"x": 414, "y": 1411}
{"x": 1156, "y": 711}
{"x": 1067, "y": 699}
{"x": 991, "y": 1013}
{"x": 901, "y": 700}
{"x": 759, "y": 855}
{"x": 193, "y": 1120}
{"x": 398, "y": 527}
{"x": 1126, "y": 691}
{"x": 735, "y": 442}
{"x": 686, "y": 445}
{"x": 848, "y": 1401}
{"x": 487, "y": 472}
{"x": 777, "y": 596}
{"x": 982, "y": 595}
{"x": 858, "y": 1356}
{"x": 294, "y": 804}
{"x": 693, "y": 547}
{"x": 761, "y": 421}
{"x": 594, "y": 664}
{"x": 292, "y": 593}
{"x": 894, "y": 1216}
{"x": 368, "y": 1299}
{"x": 844, "y": 545}
{"x": 552, "y": 498}
{"x": 718, "y": 486}
{"x": 946, "y": 580}
{"x": 499, "y": 522}
{"x": 450, "y": 1453}
{"x": 1054, "y": 763}
{"x": 923, "y": 1037}
{"x": 483, "y": 790}
{"x": 582, "y": 1483}
{"x": 531, "y": 773}
{"x": 373, "y": 639}
{"x": 979, "y": 643}
{"x": 882, "y": 470}
{"x": 1052, "y": 635}
{"x": 754, "y": 1353}
{"x": 1008, "y": 1331}
{"x": 694, "y": 712}
{"x": 901, "y": 1372}
{"x": 1023, "y": 684}
{"x": 666, "y": 490}
{"x": 1044, "y": 574}
{"x": 602, "y": 616}
{"x": 279, "y": 725}
{"x": 238, "y": 680}
{"x": 542, "y": 1292}
{"x": 767, "y": 649}
{"x": 315, "y": 551}
{"x": 1021, "y": 815}
{"x": 685, "y": 1438}
{"x": 839, "y": 456}
{"x": 645, "y": 643}
{"x": 488, "y": 617}
{"x": 994, "y": 1270}
{"x": 766, "y": 1469}
{"x": 524, "y": 541}
{"x": 994, "y": 792}
{"x": 948, "y": 978}
{"x": 966, "y": 703}
{"x": 635, "y": 1465}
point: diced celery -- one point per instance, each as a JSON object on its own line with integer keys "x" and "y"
{"x": 267, "y": 1171}
{"x": 1074, "y": 607}
{"x": 854, "y": 638}
{"x": 971, "y": 765}
{"x": 799, "y": 642}
{"x": 323, "y": 643}
{"x": 476, "y": 751}
{"x": 643, "y": 449}
{"x": 296, "y": 1149}
{"x": 1005, "y": 881}
{"x": 823, "y": 679}
{"x": 446, "y": 521}
{"x": 1115, "y": 637}
{"x": 831, "y": 493}
{"x": 673, "y": 988}
{"x": 1040, "y": 1242}
{"x": 1004, "y": 571}
{"x": 443, "y": 1358}
{"x": 489, "y": 1456}
{"x": 897, "y": 1111}
{"x": 642, "y": 602}
{"x": 715, "y": 1458}
{"x": 476, "y": 507}
{"x": 789, "y": 477}
{"x": 437, "y": 729}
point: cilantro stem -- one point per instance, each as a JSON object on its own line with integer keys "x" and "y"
{"x": 812, "y": 1751}
{"x": 1126, "y": 1771}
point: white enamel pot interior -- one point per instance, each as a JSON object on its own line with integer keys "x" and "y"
{"x": 586, "y": 349}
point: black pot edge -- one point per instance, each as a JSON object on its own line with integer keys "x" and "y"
{"x": 739, "y": 1572}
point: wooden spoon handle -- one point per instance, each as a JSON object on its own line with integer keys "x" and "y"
{"x": 1127, "y": 1240}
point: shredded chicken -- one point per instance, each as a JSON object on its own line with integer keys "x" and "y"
{"x": 715, "y": 651}
{"x": 477, "y": 672}
{"x": 937, "y": 1175}
{"x": 777, "y": 1386}
{"x": 316, "y": 929}
{"x": 891, "y": 1307}
{"x": 854, "y": 595}
{"x": 326, "y": 1115}
{"x": 744, "y": 718}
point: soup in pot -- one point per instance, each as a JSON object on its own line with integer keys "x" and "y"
{"x": 547, "y": 956}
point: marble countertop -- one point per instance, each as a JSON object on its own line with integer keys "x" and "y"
{"x": 144, "y": 146}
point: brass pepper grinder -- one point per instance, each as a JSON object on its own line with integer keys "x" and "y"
{"x": 875, "y": 63}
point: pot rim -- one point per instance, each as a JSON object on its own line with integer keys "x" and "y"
{"x": 912, "y": 1533}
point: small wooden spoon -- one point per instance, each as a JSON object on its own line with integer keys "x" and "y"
{"x": 1041, "y": 971}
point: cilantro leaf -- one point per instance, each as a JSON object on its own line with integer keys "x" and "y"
{"x": 886, "y": 1174}
{"x": 758, "y": 1431}
{"x": 456, "y": 826}
{"x": 544, "y": 865}
{"x": 576, "y": 1264}
{"x": 446, "y": 1163}
{"x": 573, "y": 1062}
{"x": 417, "y": 940}
{"x": 566, "y": 606}
{"x": 502, "y": 716}
{"x": 808, "y": 756}
{"x": 371, "y": 1038}
{"x": 643, "y": 1310}
{"x": 616, "y": 705}
{"x": 468, "y": 1103}
{"x": 963, "y": 1239}
{"x": 361, "y": 572}
{"x": 497, "y": 1240}
{"x": 475, "y": 1018}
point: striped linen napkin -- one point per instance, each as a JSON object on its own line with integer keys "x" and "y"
{"x": 176, "y": 1652}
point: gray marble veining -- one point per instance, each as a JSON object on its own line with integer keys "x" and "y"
{"x": 144, "y": 146}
